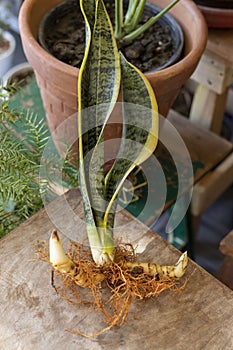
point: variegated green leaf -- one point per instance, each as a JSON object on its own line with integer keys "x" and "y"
{"x": 98, "y": 86}
{"x": 99, "y": 82}
{"x": 99, "y": 77}
{"x": 140, "y": 131}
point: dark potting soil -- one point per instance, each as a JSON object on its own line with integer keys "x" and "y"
{"x": 65, "y": 39}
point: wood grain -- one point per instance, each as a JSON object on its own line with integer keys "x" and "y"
{"x": 203, "y": 145}
{"x": 214, "y": 73}
{"x": 208, "y": 108}
{"x": 34, "y": 317}
{"x": 210, "y": 188}
{"x": 220, "y": 42}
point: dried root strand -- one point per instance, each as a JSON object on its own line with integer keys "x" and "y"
{"x": 62, "y": 263}
{"x": 112, "y": 288}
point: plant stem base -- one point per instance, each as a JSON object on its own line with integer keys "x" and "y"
{"x": 120, "y": 289}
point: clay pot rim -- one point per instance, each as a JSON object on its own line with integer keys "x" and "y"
{"x": 217, "y": 10}
{"x": 217, "y": 17}
{"x": 221, "y": 4}
{"x": 24, "y": 20}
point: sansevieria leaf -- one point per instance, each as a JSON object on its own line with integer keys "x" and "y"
{"x": 98, "y": 89}
{"x": 140, "y": 131}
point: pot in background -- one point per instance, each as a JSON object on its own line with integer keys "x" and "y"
{"x": 223, "y": 4}
{"x": 6, "y": 57}
{"x": 58, "y": 81}
{"x": 18, "y": 73}
{"x": 218, "y": 14}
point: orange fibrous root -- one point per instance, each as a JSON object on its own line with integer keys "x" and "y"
{"x": 121, "y": 288}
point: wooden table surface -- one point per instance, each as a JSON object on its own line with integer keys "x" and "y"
{"x": 34, "y": 317}
{"x": 220, "y": 42}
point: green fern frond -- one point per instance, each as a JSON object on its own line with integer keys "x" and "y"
{"x": 29, "y": 128}
{"x": 34, "y": 131}
{"x": 18, "y": 177}
{"x": 23, "y": 137}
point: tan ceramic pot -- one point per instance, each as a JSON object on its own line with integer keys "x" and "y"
{"x": 58, "y": 81}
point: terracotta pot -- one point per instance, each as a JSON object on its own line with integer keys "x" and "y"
{"x": 218, "y": 17}
{"x": 58, "y": 81}
{"x": 220, "y": 4}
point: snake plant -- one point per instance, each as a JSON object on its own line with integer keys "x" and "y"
{"x": 103, "y": 74}
{"x": 126, "y": 27}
